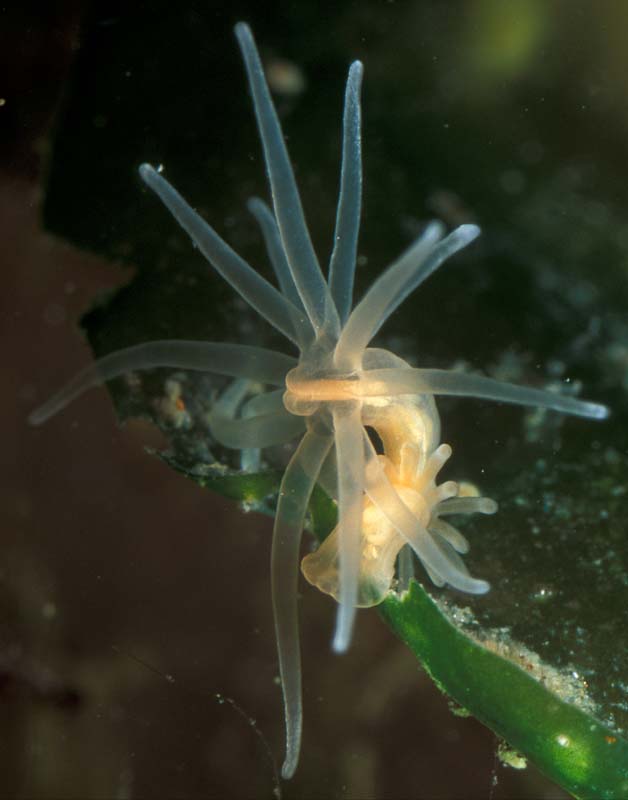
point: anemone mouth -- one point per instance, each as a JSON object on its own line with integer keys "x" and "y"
{"x": 305, "y": 387}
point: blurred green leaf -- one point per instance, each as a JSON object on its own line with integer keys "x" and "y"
{"x": 570, "y": 745}
{"x": 547, "y": 714}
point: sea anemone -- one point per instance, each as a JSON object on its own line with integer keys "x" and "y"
{"x": 331, "y": 392}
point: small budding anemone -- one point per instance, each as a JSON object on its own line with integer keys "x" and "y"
{"x": 329, "y": 393}
{"x": 380, "y": 540}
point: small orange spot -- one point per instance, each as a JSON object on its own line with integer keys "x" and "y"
{"x": 179, "y": 404}
{"x": 610, "y": 739}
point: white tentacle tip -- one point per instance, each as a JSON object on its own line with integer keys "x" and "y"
{"x": 444, "y": 452}
{"x": 598, "y": 411}
{"x": 147, "y": 172}
{"x": 356, "y": 70}
{"x": 433, "y": 231}
{"x": 468, "y": 232}
{"x": 340, "y": 644}
{"x": 243, "y": 32}
{"x": 35, "y": 418}
{"x": 342, "y": 635}
{"x": 288, "y": 768}
{"x": 448, "y": 489}
{"x": 487, "y": 505}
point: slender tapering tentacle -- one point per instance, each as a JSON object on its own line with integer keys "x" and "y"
{"x": 264, "y": 403}
{"x": 229, "y": 403}
{"x": 344, "y": 253}
{"x": 467, "y": 505}
{"x": 261, "y": 431}
{"x": 348, "y": 434}
{"x": 298, "y": 247}
{"x": 450, "y": 534}
{"x": 358, "y": 331}
{"x": 395, "y": 382}
{"x": 274, "y": 246}
{"x": 236, "y": 360}
{"x": 257, "y": 292}
{"x": 394, "y": 285}
{"x": 294, "y": 495}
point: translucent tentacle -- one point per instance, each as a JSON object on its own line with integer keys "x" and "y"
{"x": 294, "y": 495}
{"x": 274, "y": 246}
{"x": 343, "y": 257}
{"x": 457, "y": 240}
{"x": 328, "y": 477}
{"x": 384, "y": 496}
{"x": 264, "y": 403}
{"x": 450, "y": 534}
{"x": 349, "y": 435}
{"x": 467, "y": 505}
{"x": 365, "y": 317}
{"x": 405, "y": 567}
{"x": 286, "y": 201}
{"x": 395, "y": 382}
{"x": 237, "y": 360}
{"x": 227, "y": 405}
{"x": 231, "y": 398}
{"x": 394, "y": 285}
{"x": 257, "y": 292}
{"x": 453, "y": 558}
{"x": 261, "y": 431}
